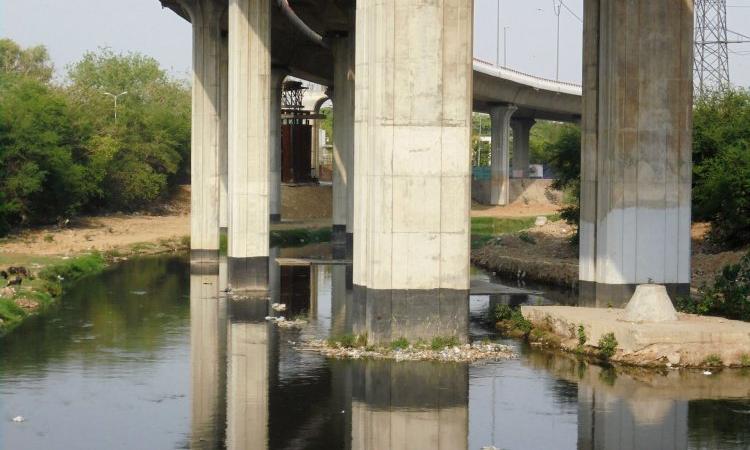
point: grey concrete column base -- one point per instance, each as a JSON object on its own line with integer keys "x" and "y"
{"x": 252, "y": 310}
{"x": 248, "y": 274}
{"x": 423, "y": 385}
{"x": 342, "y": 245}
{"x": 389, "y": 314}
{"x": 199, "y": 256}
{"x": 275, "y": 218}
{"x": 338, "y": 235}
{"x": 204, "y": 268}
{"x": 601, "y": 295}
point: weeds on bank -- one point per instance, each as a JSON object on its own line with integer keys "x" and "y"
{"x": 607, "y": 346}
{"x": 713, "y": 360}
{"x": 300, "y": 237}
{"x": 348, "y": 341}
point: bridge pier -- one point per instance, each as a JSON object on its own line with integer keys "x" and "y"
{"x": 278, "y": 75}
{"x": 413, "y": 114}
{"x": 636, "y": 154}
{"x": 249, "y": 143}
{"x": 206, "y": 130}
{"x": 521, "y": 133}
{"x": 500, "y": 153}
{"x": 343, "y": 140}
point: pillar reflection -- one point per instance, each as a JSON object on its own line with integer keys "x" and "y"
{"x": 207, "y": 357}
{"x": 409, "y": 406}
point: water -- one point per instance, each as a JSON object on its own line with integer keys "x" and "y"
{"x": 112, "y": 369}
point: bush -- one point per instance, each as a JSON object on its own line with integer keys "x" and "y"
{"x": 728, "y": 297}
{"x": 400, "y": 344}
{"x": 503, "y": 312}
{"x": 565, "y": 161}
{"x": 607, "y": 345}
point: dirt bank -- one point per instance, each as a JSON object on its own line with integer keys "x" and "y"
{"x": 544, "y": 254}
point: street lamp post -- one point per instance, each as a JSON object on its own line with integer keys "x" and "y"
{"x": 116, "y": 97}
{"x": 557, "y": 8}
{"x": 505, "y": 46}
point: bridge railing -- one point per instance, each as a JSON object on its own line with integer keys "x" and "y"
{"x": 527, "y": 79}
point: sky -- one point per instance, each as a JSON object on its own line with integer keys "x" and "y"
{"x": 69, "y": 28}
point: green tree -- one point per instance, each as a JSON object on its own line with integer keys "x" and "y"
{"x": 32, "y": 62}
{"x": 43, "y": 174}
{"x": 139, "y": 157}
{"x": 564, "y": 157}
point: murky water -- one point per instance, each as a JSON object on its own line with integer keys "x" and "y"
{"x": 146, "y": 356}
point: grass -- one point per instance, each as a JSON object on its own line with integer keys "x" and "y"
{"x": 713, "y": 360}
{"x": 400, "y": 344}
{"x": 440, "y": 342}
{"x": 484, "y": 229}
{"x": 300, "y": 237}
{"x": 348, "y": 341}
{"x": 46, "y": 287}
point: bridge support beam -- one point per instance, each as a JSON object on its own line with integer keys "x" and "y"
{"x": 500, "y": 153}
{"x": 343, "y": 140}
{"x": 636, "y": 155}
{"x": 413, "y": 113}
{"x": 206, "y": 130}
{"x": 249, "y": 143}
{"x": 521, "y": 133}
{"x": 277, "y": 82}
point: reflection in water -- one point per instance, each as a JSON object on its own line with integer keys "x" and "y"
{"x": 177, "y": 369}
{"x": 410, "y": 406}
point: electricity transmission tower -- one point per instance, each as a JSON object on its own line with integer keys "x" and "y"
{"x": 711, "y": 46}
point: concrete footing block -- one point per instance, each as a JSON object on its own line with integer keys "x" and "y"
{"x": 650, "y": 303}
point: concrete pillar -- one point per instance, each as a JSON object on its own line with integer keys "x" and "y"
{"x": 343, "y": 139}
{"x": 500, "y": 153}
{"x": 224, "y": 136}
{"x": 413, "y": 113}
{"x": 206, "y": 129}
{"x": 636, "y": 158}
{"x": 208, "y": 341}
{"x": 249, "y": 142}
{"x": 521, "y": 134}
{"x": 277, "y": 81}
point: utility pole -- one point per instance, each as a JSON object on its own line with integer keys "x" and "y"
{"x": 505, "y": 46}
{"x": 557, "y": 8}
{"x": 116, "y": 97}
{"x": 497, "y": 59}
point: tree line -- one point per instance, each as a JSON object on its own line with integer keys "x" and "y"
{"x": 63, "y": 152}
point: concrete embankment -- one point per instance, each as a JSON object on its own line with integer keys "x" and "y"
{"x": 689, "y": 341}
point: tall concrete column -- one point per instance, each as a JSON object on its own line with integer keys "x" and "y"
{"x": 205, "y": 202}
{"x": 521, "y": 134}
{"x": 249, "y": 142}
{"x": 500, "y": 153}
{"x": 636, "y": 156}
{"x": 277, "y": 82}
{"x": 224, "y": 136}
{"x": 343, "y": 138}
{"x": 413, "y": 110}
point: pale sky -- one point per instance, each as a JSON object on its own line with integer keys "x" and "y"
{"x": 71, "y": 27}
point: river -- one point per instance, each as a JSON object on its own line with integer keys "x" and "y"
{"x": 146, "y": 356}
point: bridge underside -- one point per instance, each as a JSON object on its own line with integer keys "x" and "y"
{"x": 404, "y": 84}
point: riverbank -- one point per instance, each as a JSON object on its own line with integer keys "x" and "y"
{"x": 544, "y": 254}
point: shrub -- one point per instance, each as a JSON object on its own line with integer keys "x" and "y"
{"x": 503, "y": 312}
{"x": 582, "y": 338}
{"x": 519, "y": 322}
{"x": 348, "y": 341}
{"x": 713, "y": 360}
{"x": 607, "y": 345}
{"x": 728, "y": 297}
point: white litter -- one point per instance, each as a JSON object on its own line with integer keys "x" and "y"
{"x": 18, "y": 419}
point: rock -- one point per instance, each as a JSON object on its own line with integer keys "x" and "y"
{"x": 650, "y": 303}
{"x": 540, "y": 221}
{"x": 674, "y": 358}
{"x": 7, "y": 292}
